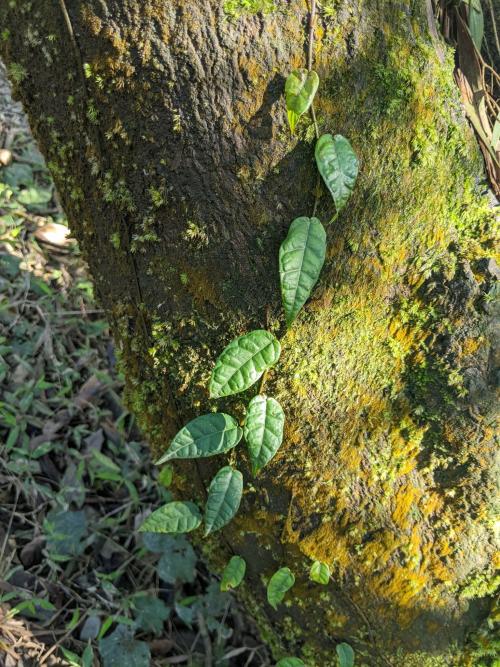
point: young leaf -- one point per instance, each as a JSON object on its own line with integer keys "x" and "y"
{"x": 345, "y": 655}
{"x": 476, "y": 22}
{"x": 279, "y": 584}
{"x": 320, "y": 573}
{"x": 242, "y": 362}
{"x": 290, "y": 662}
{"x": 263, "y": 430}
{"x": 233, "y": 574}
{"x": 301, "y": 258}
{"x": 338, "y": 165}
{"x": 224, "y": 496}
{"x": 300, "y": 89}
{"x": 208, "y": 435}
{"x": 174, "y": 517}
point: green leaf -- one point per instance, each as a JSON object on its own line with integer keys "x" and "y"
{"x": 263, "y": 430}
{"x": 150, "y": 613}
{"x": 178, "y": 561}
{"x": 65, "y": 532}
{"x": 290, "y": 662}
{"x": 233, "y": 574}
{"x": 88, "y": 657}
{"x": 320, "y": 573}
{"x": 345, "y": 655}
{"x": 476, "y": 22}
{"x": 279, "y": 584}
{"x": 174, "y": 517}
{"x": 120, "y": 649}
{"x": 300, "y": 89}
{"x": 301, "y": 258}
{"x": 243, "y": 361}
{"x": 224, "y": 497}
{"x": 208, "y": 435}
{"x": 34, "y": 196}
{"x": 338, "y": 165}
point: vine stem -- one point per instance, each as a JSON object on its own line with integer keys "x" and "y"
{"x": 310, "y": 57}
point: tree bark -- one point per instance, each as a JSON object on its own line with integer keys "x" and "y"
{"x": 164, "y": 126}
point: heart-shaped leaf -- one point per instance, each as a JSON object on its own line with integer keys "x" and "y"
{"x": 224, "y": 497}
{"x": 300, "y": 89}
{"x": 263, "y": 430}
{"x": 279, "y": 584}
{"x": 233, "y": 574}
{"x": 243, "y": 361}
{"x": 345, "y": 655}
{"x": 338, "y": 165}
{"x": 174, "y": 517}
{"x": 320, "y": 573}
{"x": 120, "y": 649}
{"x": 208, "y": 435}
{"x": 301, "y": 258}
{"x": 290, "y": 662}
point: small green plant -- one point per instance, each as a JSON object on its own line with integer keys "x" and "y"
{"x": 233, "y": 574}
{"x": 279, "y": 584}
{"x": 345, "y": 655}
{"x": 250, "y": 357}
{"x": 320, "y": 573}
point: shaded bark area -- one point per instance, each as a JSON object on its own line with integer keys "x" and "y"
{"x": 164, "y": 127}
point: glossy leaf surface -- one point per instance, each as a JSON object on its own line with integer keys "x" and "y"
{"x": 263, "y": 430}
{"x": 224, "y": 497}
{"x": 279, "y": 584}
{"x": 243, "y": 361}
{"x": 290, "y": 662}
{"x": 301, "y": 258}
{"x": 320, "y": 573}
{"x": 300, "y": 89}
{"x": 174, "y": 517}
{"x": 207, "y": 435}
{"x": 345, "y": 655}
{"x": 233, "y": 574}
{"x": 338, "y": 166}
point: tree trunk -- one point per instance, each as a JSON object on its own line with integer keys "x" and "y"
{"x": 164, "y": 126}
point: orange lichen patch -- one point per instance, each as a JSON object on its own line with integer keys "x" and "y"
{"x": 407, "y": 499}
{"x": 324, "y": 544}
{"x": 350, "y": 457}
{"x": 379, "y": 550}
{"x": 405, "y": 442}
{"x": 431, "y": 504}
{"x": 403, "y": 586}
{"x": 471, "y": 345}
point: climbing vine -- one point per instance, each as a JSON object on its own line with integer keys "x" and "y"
{"x": 249, "y": 358}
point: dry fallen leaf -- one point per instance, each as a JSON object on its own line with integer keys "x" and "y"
{"x": 55, "y": 234}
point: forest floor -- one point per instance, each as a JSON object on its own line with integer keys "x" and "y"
{"x": 78, "y": 585}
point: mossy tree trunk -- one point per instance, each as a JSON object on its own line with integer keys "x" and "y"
{"x": 164, "y": 126}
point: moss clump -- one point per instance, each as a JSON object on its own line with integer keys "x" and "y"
{"x": 235, "y": 8}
